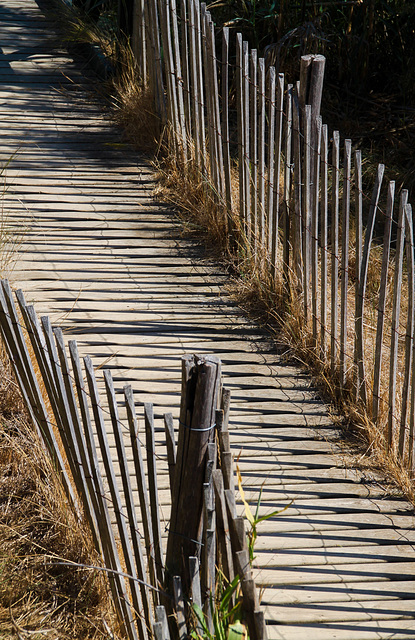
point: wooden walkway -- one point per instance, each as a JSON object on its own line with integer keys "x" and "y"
{"x": 97, "y": 253}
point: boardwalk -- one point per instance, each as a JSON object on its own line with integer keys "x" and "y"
{"x": 97, "y": 253}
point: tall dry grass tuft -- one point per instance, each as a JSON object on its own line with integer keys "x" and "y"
{"x": 39, "y": 530}
{"x": 132, "y": 104}
{"x": 191, "y": 193}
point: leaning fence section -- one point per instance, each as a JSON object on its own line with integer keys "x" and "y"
{"x": 157, "y": 586}
{"x": 293, "y": 197}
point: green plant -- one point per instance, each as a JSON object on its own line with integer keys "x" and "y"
{"x": 225, "y": 614}
{"x": 226, "y": 610}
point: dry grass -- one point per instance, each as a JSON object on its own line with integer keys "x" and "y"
{"x": 39, "y": 529}
{"x": 192, "y": 196}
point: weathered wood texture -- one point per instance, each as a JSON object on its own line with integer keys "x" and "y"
{"x": 97, "y": 252}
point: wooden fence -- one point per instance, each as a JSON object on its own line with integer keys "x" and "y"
{"x": 75, "y": 426}
{"x": 298, "y": 205}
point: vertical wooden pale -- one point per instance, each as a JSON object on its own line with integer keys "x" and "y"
{"x": 383, "y": 287}
{"x": 345, "y": 260}
{"x": 324, "y": 241}
{"x": 335, "y": 175}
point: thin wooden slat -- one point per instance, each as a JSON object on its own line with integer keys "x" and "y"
{"x": 110, "y": 550}
{"x": 153, "y": 491}
{"x": 185, "y": 62}
{"x": 155, "y": 57}
{"x": 142, "y": 489}
{"x": 306, "y": 212}
{"x": 172, "y": 97}
{"x": 210, "y": 115}
{"x": 223, "y": 535}
{"x": 138, "y": 40}
{"x": 287, "y": 187}
{"x": 62, "y": 412}
{"x": 171, "y": 447}
{"x": 250, "y": 596}
{"x": 344, "y": 270}
{"x": 194, "y": 84}
{"x": 297, "y": 173}
{"x": 216, "y": 113}
{"x": 22, "y": 380}
{"x": 245, "y": 133}
{"x": 335, "y": 177}
{"x": 223, "y": 432}
{"x": 261, "y": 152}
{"x": 270, "y": 157}
{"x": 178, "y": 75}
{"x": 253, "y": 146}
{"x": 116, "y": 502}
{"x": 383, "y": 286}
{"x": 199, "y": 80}
{"x": 161, "y": 617}
{"x": 128, "y": 496}
{"x": 358, "y": 251}
{"x": 314, "y": 231}
{"x": 37, "y": 340}
{"x": 180, "y": 607}
{"x": 277, "y": 176}
{"x": 409, "y": 337}
{"x": 241, "y": 128}
{"x": 362, "y": 394}
{"x": 195, "y": 581}
{"x": 158, "y": 631}
{"x": 23, "y": 369}
{"x": 210, "y": 563}
{"x": 324, "y": 242}
{"x": 228, "y": 470}
{"x": 225, "y": 124}
{"x": 91, "y": 506}
{"x": 41, "y": 349}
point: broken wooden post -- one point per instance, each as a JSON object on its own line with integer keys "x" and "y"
{"x": 200, "y": 391}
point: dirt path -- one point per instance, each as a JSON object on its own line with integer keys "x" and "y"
{"x": 101, "y": 257}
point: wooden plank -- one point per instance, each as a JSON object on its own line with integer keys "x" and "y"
{"x": 271, "y": 157}
{"x": 277, "y": 175}
{"x": 253, "y": 146}
{"x": 306, "y": 212}
{"x": 363, "y": 279}
{"x": 142, "y": 489}
{"x": 261, "y": 151}
{"x": 171, "y": 447}
{"x": 316, "y": 161}
{"x": 153, "y": 492}
{"x": 335, "y": 178}
{"x": 397, "y": 286}
{"x": 225, "y": 123}
{"x": 324, "y": 252}
{"x": 110, "y": 550}
{"x": 287, "y": 187}
{"x": 409, "y": 337}
{"x": 128, "y": 497}
{"x": 344, "y": 269}
{"x": 116, "y": 503}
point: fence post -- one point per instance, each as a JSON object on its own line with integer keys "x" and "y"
{"x": 200, "y": 391}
